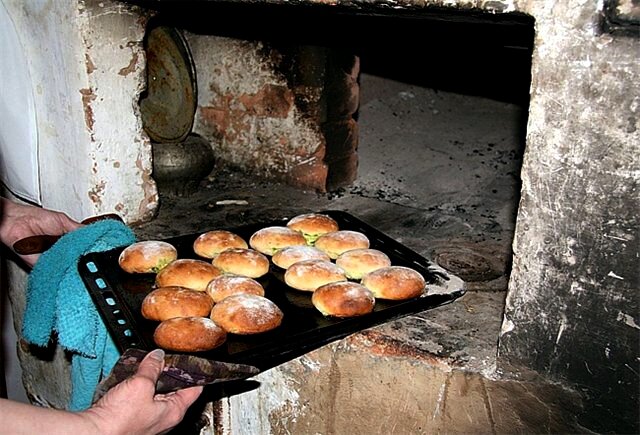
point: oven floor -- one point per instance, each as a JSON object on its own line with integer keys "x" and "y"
{"x": 438, "y": 171}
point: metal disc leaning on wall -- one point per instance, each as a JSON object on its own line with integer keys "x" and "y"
{"x": 169, "y": 103}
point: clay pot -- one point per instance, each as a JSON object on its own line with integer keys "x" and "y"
{"x": 179, "y": 167}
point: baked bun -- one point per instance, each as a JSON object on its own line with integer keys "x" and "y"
{"x": 308, "y": 275}
{"x": 211, "y": 243}
{"x": 193, "y": 274}
{"x": 394, "y": 283}
{"x": 358, "y": 262}
{"x": 246, "y": 314}
{"x": 189, "y": 334}
{"x": 229, "y": 285}
{"x": 313, "y": 225}
{"x": 337, "y": 242}
{"x": 268, "y": 240}
{"x": 149, "y": 256}
{"x": 285, "y": 257}
{"x": 343, "y": 299}
{"x": 168, "y": 302}
{"x": 241, "y": 261}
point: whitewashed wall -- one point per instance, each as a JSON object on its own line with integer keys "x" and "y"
{"x": 87, "y": 69}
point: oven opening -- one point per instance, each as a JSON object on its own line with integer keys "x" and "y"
{"x": 414, "y": 122}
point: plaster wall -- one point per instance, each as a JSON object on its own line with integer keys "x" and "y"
{"x": 573, "y": 307}
{"x": 364, "y": 386}
{"x": 86, "y": 63}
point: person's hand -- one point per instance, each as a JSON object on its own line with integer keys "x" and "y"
{"x": 132, "y": 407}
{"x": 19, "y": 221}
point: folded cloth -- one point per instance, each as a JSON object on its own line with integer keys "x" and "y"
{"x": 57, "y": 300}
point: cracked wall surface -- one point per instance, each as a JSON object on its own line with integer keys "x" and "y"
{"x": 86, "y": 64}
{"x": 576, "y": 241}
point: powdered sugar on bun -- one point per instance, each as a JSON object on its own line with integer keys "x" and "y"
{"x": 212, "y": 243}
{"x": 358, "y": 262}
{"x": 193, "y": 274}
{"x": 308, "y": 275}
{"x": 395, "y": 283}
{"x": 229, "y": 285}
{"x": 337, "y": 242}
{"x": 313, "y": 225}
{"x": 268, "y": 240}
{"x": 149, "y": 256}
{"x": 246, "y": 314}
{"x": 241, "y": 261}
{"x": 343, "y": 299}
{"x": 189, "y": 334}
{"x": 285, "y": 257}
{"x": 168, "y": 302}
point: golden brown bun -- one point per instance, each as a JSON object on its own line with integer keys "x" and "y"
{"x": 358, "y": 262}
{"x": 149, "y": 256}
{"x": 241, "y": 261}
{"x": 211, "y": 243}
{"x": 246, "y": 314}
{"x": 285, "y": 257}
{"x": 268, "y": 240}
{"x": 337, "y": 242}
{"x": 229, "y": 285}
{"x": 308, "y": 275}
{"x": 394, "y": 283}
{"x": 193, "y": 274}
{"x": 168, "y": 302}
{"x": 189, "y": 334}
{"x": 343, "y": 299}
{"x": 313, "y": 225}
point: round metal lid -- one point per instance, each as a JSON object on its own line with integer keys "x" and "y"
{"x": 169, "y": 103}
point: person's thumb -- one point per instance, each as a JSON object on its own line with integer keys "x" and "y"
{"x": 151, "y": 365}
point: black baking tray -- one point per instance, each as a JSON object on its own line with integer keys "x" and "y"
{"x": 118, "y": 296}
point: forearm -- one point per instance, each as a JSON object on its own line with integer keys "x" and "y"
{"x": 20, "y": 418}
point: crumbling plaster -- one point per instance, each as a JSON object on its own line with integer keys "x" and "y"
{"x": 356, "y": 387}
{"x": 119, "y": 150}
{"x": 246, "y": 107}
{"x": 86, "y": 64}
{"x": 87, "y": 67}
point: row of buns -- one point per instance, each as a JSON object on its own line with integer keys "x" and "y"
{"x": 191, "y": 294}
{"x": 198, "y": 302}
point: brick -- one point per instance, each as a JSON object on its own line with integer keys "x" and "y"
{"x": 341, "y": 138}
{"x": 342, "y": 172}
{"x": 311, "y": 174}
{"x": 272, "y": 101}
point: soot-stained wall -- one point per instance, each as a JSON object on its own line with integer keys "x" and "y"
{"x": 572, "y": 310}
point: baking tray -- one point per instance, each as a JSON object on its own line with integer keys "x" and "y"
{"x": 118, "y": 296}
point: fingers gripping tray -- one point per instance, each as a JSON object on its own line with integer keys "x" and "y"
{"x": 118, "y": 296}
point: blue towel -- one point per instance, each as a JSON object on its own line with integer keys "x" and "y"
{"x": 57, "y": 300}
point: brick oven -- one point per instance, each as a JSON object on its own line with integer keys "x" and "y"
{"x": 497, "y": 138}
